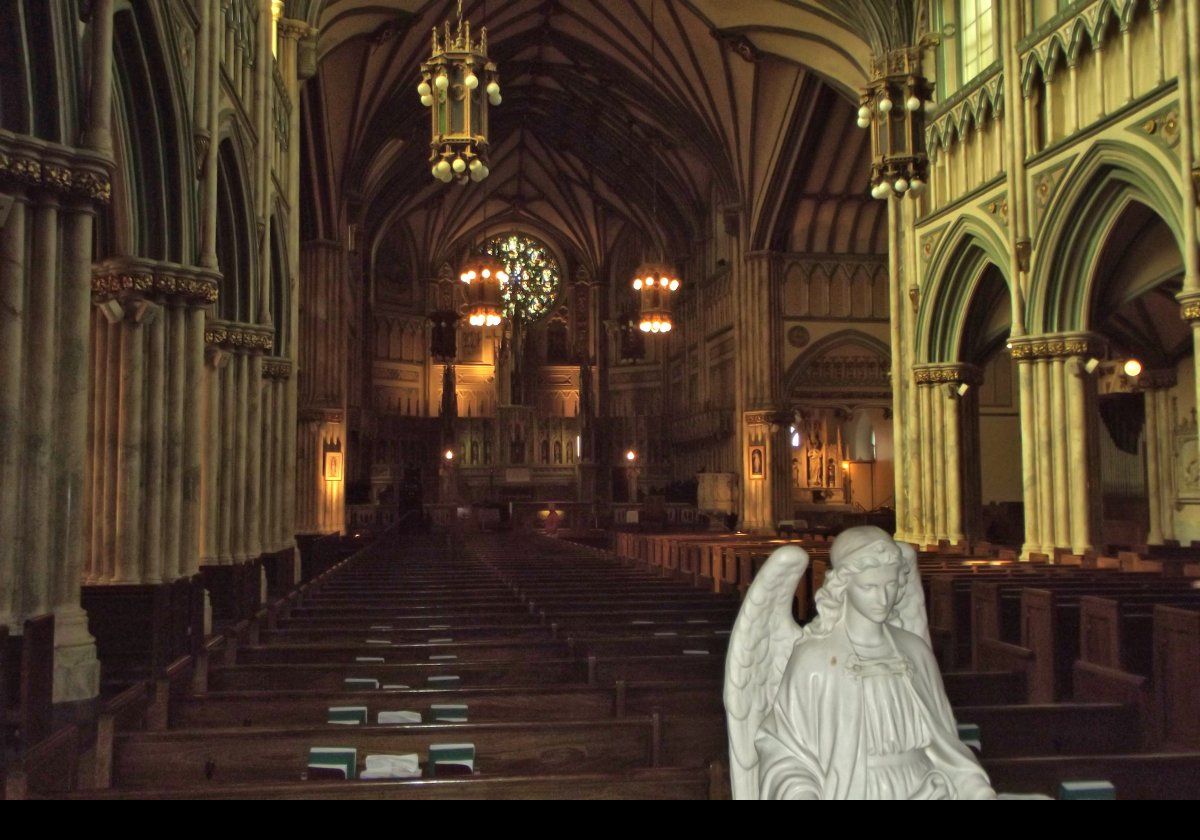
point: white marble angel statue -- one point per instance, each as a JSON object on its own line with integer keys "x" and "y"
{"x": 852, "y": 705}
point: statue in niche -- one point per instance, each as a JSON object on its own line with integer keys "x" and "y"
{"x": 545, "y": 451}
{"x": 487, "y": 451}
{"x": 850, "y": 706}
{"x": 518, "y": 450}
{"x": 474, "y": 452}
{"x": 830, "y": 473}
{"x": 558, "y": 452}
{"x": 796, "y": 476}
{"x": 815, "y": 464}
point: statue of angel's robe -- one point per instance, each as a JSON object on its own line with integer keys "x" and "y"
{"x": 812, "y": 742}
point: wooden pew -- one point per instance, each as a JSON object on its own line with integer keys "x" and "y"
{"x": 644, "y": 783}
{"x": 1037, "y": 628}
{"x": 1177, "y": 673}
{"x": 499, "y": 650}
{"x": 1054, "y": 729}
{"x": 242, "y": 755}
{"x": 1138, "y": 776}
{"x": 49, "y": 768}
{"x": 35, "y": 705}
{"x": 1117, "y": 655}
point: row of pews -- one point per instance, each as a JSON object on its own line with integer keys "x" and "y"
{"x": 528, "y": 666}
{"x": 1102, "y": 660}
{"x": 486, "y": 670}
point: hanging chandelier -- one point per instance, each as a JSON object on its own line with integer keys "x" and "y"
{"x": 458, "y": 83}
{"x": 484, "y": 278}
{"x": 893, "y": 108}
{"x": 655, "y": 283}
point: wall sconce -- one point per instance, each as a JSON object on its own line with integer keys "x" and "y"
{"x": 449, "y": 455}
{"x": 1132, "y": 368}
{"x": 1091, "y": 366}
{"x": 631, "y": 456}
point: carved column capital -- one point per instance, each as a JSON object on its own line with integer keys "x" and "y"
{"x": 1057, "y": 346}
{"x": 1189, "y": 306}
{"x": 948, "y": 374}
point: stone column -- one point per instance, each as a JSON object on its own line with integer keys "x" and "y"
{"x": 1029, "y": 480}
{"x": 175, "y": 439}
{"x": 210, "y": 472}
{"x": 1058, "y": 439}
{"x": 1166, "y": 421}
{"x": 241, "y": 471}
{"x": 938, "y": 399}
{"x": 954, "y": 383}
{"x": 227, "y": 420}
{"x": 46, "y": 220}
{"x": 94, "y": 564}
{"x": 252, "y": 393}
{"x": 13, "y": 280}
{"x": 928, "y": 491}
{"x": 110, "y": 370}
{"x": 758, "y": 379}
{"x": 76, "y": 668}
{"x": 1076, "y": 383}
{"x": 157, "y": 550}
{"x": 1190, "y": 310}
{"x": 37, "y": 471}
{"x": 98, "y": 136}
{"x": 195, "y": 408}
{"x": 905, "y": 527}
{"x": 1060, "y": 435}
{"x": 266, "y": 388}
{"x": 1051, "y": 539}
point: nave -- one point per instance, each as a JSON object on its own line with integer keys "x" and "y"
{"x": 593, "y": 669}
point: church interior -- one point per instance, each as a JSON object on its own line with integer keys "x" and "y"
{"x": 405, "y": 394}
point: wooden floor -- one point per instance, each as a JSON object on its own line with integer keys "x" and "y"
{"x": 573, "y": 674}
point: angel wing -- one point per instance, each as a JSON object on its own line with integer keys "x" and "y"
{"x": 759, "y": 647}
{"x": 911, "y": 609}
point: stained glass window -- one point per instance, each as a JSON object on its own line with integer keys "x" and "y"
{"x": 534, "y": 275}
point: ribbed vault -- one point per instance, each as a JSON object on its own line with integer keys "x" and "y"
{"x": 614, "y": 126}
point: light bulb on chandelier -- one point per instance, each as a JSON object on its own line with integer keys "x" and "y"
{"x": 458, "y": 83}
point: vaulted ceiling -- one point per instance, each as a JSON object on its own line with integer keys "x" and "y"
{"x": 622, "y": 120}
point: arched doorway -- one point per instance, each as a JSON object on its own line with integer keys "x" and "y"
{"x": 1145, "y": 394}
{"x": 842, "y": 446}
{"x": 993, "y": 496}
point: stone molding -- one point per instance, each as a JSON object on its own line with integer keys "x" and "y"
{"x": 73, "y": 173}
{"x": 244, "y": 337}
{"x": 1057, "y": 346}
{"x": 1189, "y": 306}
{"x": 952, "y": 374}
{"x": 277, "y": 369}
{"x": 132, "y": 278}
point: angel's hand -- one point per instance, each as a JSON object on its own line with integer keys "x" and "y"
{"x": 935, "y": 786}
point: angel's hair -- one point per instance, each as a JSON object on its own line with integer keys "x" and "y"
{"x": 831, "y": 597}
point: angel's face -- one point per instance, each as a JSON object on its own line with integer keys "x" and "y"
{"x": 873, "y": 592}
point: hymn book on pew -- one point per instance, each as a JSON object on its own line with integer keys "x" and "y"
{"x": 332, "y": 763}
{"x": 451, "y": 759}
{"x": 449, "y": 712}
{"x": 347, "y": 715}
{"x": 361, "y": 683}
